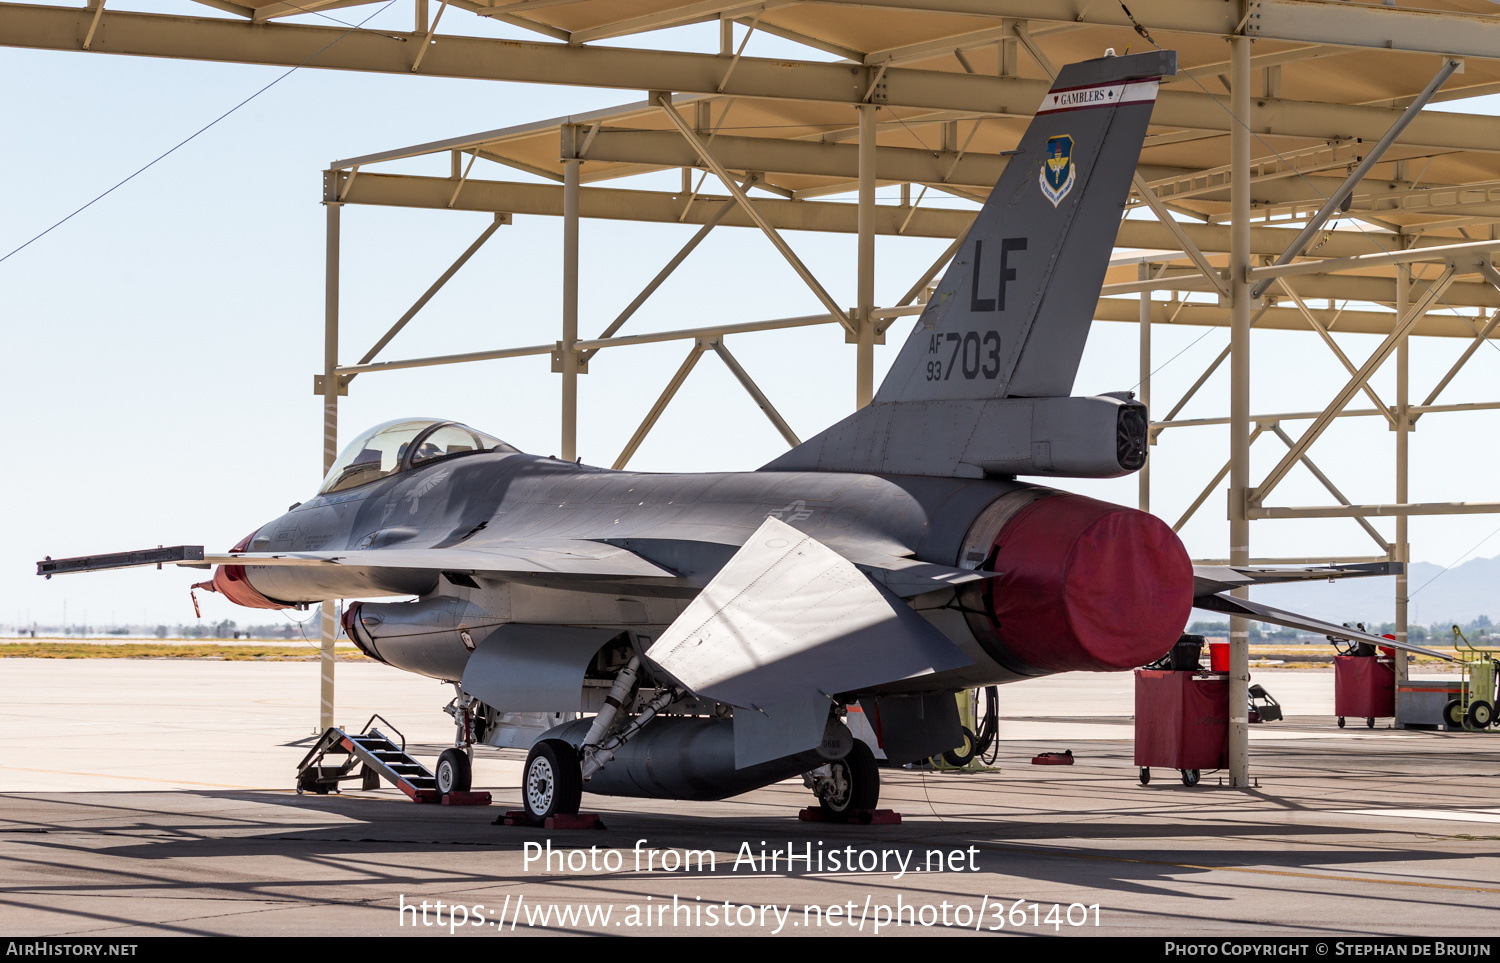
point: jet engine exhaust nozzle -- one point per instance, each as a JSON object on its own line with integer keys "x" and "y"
{"x": 1086, "y": 585}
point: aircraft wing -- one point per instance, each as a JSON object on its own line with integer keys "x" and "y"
{"x": 785, "y": 625}
{"x": 540, "y": 557}
{"x": 1261, "y": 612}
{"x": 1208, "y": 579}
{"x": 907, "y": 577}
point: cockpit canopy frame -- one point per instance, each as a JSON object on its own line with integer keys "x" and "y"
{"x": 402, "y": 445}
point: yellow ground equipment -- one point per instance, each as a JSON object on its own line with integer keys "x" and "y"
{"x": 1477, "y": 663}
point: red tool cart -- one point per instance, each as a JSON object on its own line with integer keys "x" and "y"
{"x": 1181, "y": 721}
{"x": 1364, "y": 684}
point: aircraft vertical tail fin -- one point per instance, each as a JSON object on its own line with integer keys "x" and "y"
{"x": 993, "y": 356}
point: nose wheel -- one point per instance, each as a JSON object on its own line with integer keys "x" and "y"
{"x": 454, "y": 772}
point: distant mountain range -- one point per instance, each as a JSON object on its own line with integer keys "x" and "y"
{"x": 1461, "y": 594}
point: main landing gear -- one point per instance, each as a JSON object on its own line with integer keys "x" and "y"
{"x": 552, "y": 783}
{"x": 852, "y": 783}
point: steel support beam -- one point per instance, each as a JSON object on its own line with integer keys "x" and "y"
{"x": 670, "y": 266}
{"x": 327, "y": 624}
{"x": 403, "y": 190}
{"x": 668, "y": 392}
{"x": 1349, "y": 321}
{"x": 567, "y": 347}
{"x": 672, "y": 17}
{"x": 864, "y": 333}
{"x": 1432, "y": 292}
{"x": 436, "y": 286}
{"x": 1239, "y": 405}
{"x": 1158, "y": 426}
{"x": 1401, "y": 551}
{"x": 1440, "y": 252}
{"x": 1337, "y": 351}
{"x": 749, "y": 207}
{"x": 1213, "y": 483}
{"x": 98, "y": 7}
{"x": 754, "y": 391}
{"x": 287, "y": 44}
{"x": 1372, "y": 157}
{"x": 1479, "y": 339}
{"x": 1332, "y": 489}
{"x": 1143, "y": 477}
{"x": 1165, "y": 217}
{"x": 916, "y": 289}
{"x": 1376, "y": 511}
{"x": 1339, "y": 287}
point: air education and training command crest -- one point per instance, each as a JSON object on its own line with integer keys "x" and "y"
{"x": 1058, "y": 172}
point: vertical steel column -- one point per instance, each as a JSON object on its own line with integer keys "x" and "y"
{"x": 1401, "y": 550}
{"x": 569, "y": 358}
{"x": 330, "y": 436}
{"x": 1239, "y": 401}
{"x": 864, "y": 359}
{"x": 1144, "y": 476}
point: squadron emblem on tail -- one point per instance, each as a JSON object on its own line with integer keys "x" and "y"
{"x": 1058, "y": 173}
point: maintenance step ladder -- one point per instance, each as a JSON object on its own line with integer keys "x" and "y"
{"x": 379, "y": 757}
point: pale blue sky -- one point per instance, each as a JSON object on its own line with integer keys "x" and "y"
{"x": 160, "y": 347}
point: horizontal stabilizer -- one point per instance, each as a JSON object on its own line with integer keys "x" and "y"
{"x": 1261, "y": 612}
{"x": 1208, "y": 579}
{"x": 698, "y": 561}
{"x": 1103, "y": 436}
{"x": 789, "y": 622}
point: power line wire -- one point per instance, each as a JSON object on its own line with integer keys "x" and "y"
{"x": 186, "y": 140}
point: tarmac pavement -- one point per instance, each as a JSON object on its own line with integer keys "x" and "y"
{"x": 148, "y": 797}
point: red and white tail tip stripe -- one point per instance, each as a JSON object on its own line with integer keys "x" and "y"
{"x": 1100, "y": 95}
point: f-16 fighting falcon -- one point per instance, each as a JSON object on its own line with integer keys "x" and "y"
{"x": 696, "y": 636}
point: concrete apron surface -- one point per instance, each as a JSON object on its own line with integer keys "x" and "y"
{"x": 152, "y": 797}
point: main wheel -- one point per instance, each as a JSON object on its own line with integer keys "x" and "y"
{"x": 964, "y": 754}
{"x": 1190, "y": 777}
{"x": 552, "y": 783}
{"x": 856, "y": 781}
{"x": 1145, "y": 776}
{"x": 1480, "y": 714}
{"x": 1453, "y": 714}
{"x": 454, "y": 773}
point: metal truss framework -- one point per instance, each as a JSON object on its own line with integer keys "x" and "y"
{"x": 928, "y": 95}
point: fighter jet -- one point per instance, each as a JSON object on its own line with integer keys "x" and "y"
{"x": 695, "y": 636}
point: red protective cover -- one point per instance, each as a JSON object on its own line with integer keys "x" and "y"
{"x": 231, "y": 582}
{"x": 1181, "y": 720}
{"x": 1364, "y": 687}
{"x": 1087, "y": 585}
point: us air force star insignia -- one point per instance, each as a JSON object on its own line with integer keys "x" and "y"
{"x": 1058, "y": 173}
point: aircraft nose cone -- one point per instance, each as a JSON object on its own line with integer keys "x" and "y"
{"x": 1088, "y": 585}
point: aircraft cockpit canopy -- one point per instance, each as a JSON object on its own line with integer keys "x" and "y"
{"x": 401, "y": 445}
